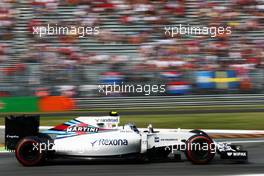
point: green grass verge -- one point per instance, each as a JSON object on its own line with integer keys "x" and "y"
{"x": 251, "y": 120}
{"x": 175, "y": 108}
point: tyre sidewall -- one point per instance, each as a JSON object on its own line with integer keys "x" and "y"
{"x": 25, "y": 141}
{"x": 189, "y": 153}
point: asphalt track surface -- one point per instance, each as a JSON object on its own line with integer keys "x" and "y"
{"x": 255, "y": 165}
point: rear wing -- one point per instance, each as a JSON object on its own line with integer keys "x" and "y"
{"x": 18, "y": 127}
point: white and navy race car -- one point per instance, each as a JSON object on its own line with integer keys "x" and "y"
{"x": 100, "y": 137}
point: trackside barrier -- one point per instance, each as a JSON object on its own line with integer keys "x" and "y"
{"x": 170, "y": 101}
{"x": 19, "y": 104}
{"x": 36, "y": 104}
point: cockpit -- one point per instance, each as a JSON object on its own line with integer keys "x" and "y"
{"x": 131, "y": 126}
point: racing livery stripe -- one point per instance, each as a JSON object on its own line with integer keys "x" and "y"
{"x": 55, "y": 132}
{"x": 75, "y": 121}
{"x": 62, "y": 127}
{"x": 69, "y": 123}
{"x": 65, "y": 136}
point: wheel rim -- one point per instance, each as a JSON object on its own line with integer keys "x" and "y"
{"x": 200, "y": 155}
{"x": 28, "y": 153}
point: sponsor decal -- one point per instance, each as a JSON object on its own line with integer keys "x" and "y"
{"x": 93, "y": 143}
{"x": 12, "y": 137}
{"x": 76, "y": 128}
{"x": 156, "y": 139}
{"x": 126, "y": 131}
{"x": 107, "y": 120}
{"x": 239, "y": 154}
{"x": 110, "y": 142}
{"x": 235, "y": 155}
{"x": 169, "y": 139}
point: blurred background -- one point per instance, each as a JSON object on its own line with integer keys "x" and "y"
{"x": 131, "y": 48}
{"x": 211, "y": 82}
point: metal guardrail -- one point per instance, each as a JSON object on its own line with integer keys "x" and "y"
{"x": 170, "y": 101}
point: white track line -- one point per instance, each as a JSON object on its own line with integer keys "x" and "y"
{"x": 247, "y": 175}
{"x": 248, "y": 141}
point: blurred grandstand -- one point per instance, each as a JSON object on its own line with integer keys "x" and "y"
{"x": 131, "y": 46}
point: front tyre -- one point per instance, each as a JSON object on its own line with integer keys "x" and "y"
{"x": 200, "y": 149}
{"x": 28, "y": 152}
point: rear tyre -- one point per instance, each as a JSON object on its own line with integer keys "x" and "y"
{"x": 199, "y": 132}
{"x": 28, "y": 151}
{"x": 200, "y": 149}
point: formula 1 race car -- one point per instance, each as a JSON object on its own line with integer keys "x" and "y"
{"x": 101, "y": 137}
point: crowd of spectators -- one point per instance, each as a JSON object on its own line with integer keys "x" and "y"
{"x": 7, "y": 14}
{"x": 242, "y": 51}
